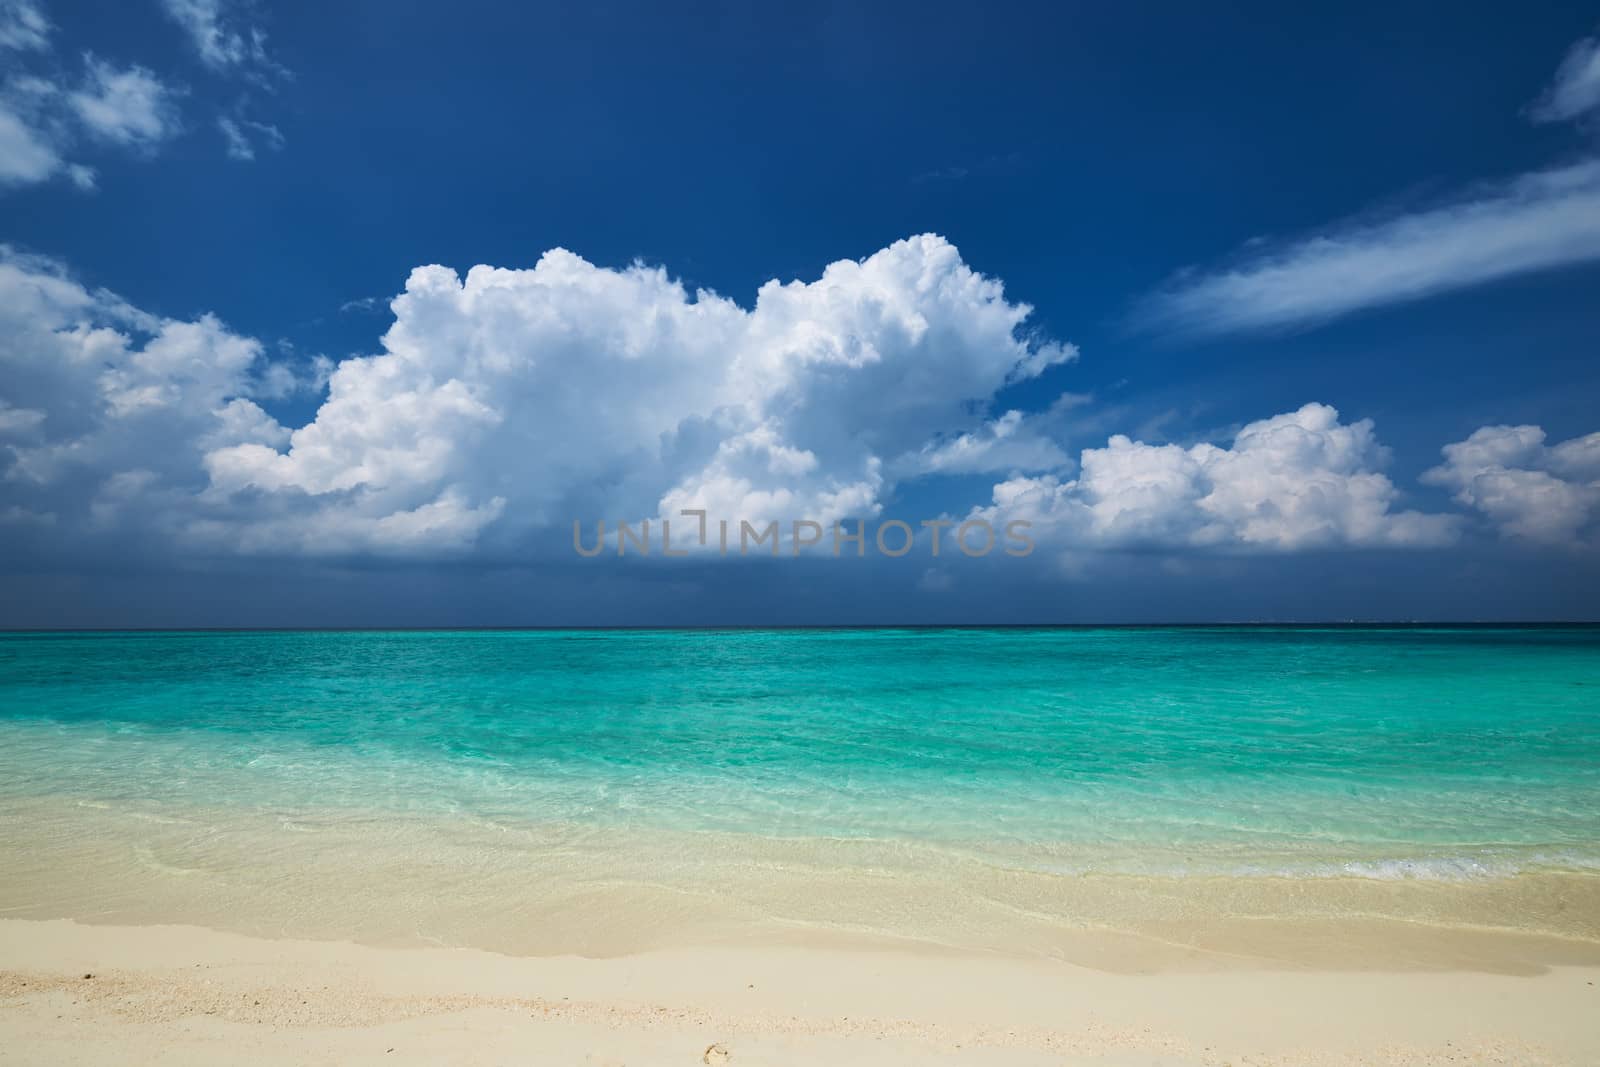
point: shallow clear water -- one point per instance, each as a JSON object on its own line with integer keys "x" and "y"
{"x": 1405, "y": 752}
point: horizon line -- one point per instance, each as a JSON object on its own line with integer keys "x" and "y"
{"x": 1349, "y": 624}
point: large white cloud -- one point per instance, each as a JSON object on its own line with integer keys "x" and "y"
{"x": 532, "y": 398}
{"x": 1295, "y": 481}
{"x": 506, "y": 403}
{"x": 1527, "y": 490}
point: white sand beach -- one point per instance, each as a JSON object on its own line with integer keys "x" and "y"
{"x": 78, "y": 993}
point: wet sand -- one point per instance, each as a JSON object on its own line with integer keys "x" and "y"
{"x": 554, "y": 889}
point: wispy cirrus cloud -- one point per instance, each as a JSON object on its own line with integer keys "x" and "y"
{"x": 46, "y": 112}
{"x": 1575, "y": 91}
{"x": 125, "y": 106}
{"x": 23, "y": 26}
{"x": 26, "y": 155}
{"x": 231, "y": 46}
{"x": 1536, "y": 221}
{"x": 224, "y": 39}
{"x": 242, "y": 136}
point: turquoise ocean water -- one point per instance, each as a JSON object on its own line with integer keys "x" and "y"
{"x": 1402, "y": 753}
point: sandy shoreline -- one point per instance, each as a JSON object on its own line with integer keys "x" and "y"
{"x": 215, "y": 935}
{"x": 552, "y": 889}
{"x": 179, "y": 994}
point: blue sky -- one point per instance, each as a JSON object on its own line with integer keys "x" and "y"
{"x": 1274, "y": 262}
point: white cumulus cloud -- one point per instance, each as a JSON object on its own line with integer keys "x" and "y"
{"x": 1299, "y": 480}
{"x": 508, "y": 402}
{"x": 530, "y": 398}
{"x": 1527, "y": 489}
{"x": 106, "y": 410}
